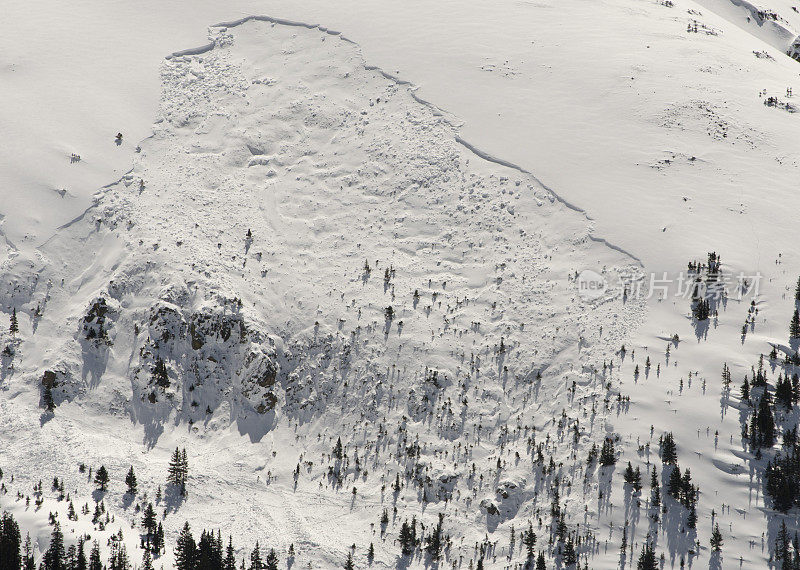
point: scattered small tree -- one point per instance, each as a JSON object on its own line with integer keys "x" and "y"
{"x": 607, "y": 455}
{"x": 716, "y": 539}
{"x": 130, "y": 481}
{"x": 101, "y": 478}
{"x": 14, "y": 327}
{"x": 794, "y": 325}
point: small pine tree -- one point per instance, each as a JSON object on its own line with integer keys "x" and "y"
{"x": 10, "y": 541}
{"x": 272, "y": 560}
{"x": 54, "y": 556}
{"x": 14, "y": 327}
{"x": 570, "y": 555}
{"x": 186, "y": 550}
{"x": 130, "y": 481}
{"x": 94, "y": 557}
{"x": 28, "y": 563}
{"x": 716, "y": 539}
{"x": 607, "y": 455}
{"x": 674, "y": 483}
{"x": 81, "y": 562}
{"x": 230, "y": 556}
{"x": 149, "y": 524}
{"x": 434, "y": 540}
{"x": 691, "y": 520}
{"x": 348, "y": 563}
{"x": 655, "y": 490}
{"x": 101, "y": 478}
{"x": 178, "y": 470}
{"x": 647, "y": 559}
{"x": 407, "y": 538}
{"x": 669, "y": 452}
{"x": 158, "y": 544}
{"x": 147, "y": 561}
{"x": 794, "y": 325}
{"x": 529, "y": 540}
{"x": 623, "y": 545}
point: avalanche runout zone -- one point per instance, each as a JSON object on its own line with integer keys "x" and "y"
{"x": 272, "y": 344}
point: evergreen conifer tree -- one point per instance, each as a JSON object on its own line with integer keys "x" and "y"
{"x": 529, "y": 540}
{"x": 655, "y": 489}
{"x": 130, "y": 481}
{"x": 54, "y": 557}
{"x": 28, "y": 563}
{"x": 716, "y": 539}
{"x": 674, "y": 483}
{"x": 149, "y": 524}
{"x": 82, "y": 562}
{"x": 783, "y": 392}
{"x": 101, "y": 478}
{"x": 185, "y": 549}
{"x": 407, "y": 539}
{"x": 255, "y": 558}
{"x": 94, "y": 557}
{"x": 669, "y": 452}
{"x": 607, "y": 455}
{"x": 691, "y": 520}
{"x": 178, "y": 470}
{"x": 14, "y": 327}
{"x": 272, "y": 560}
{"x": 434, "y": 540}
{"x": 10, "y": 543}
{"x": 147, "y": 561}
{"x": 647, "y": 559}
{"x": 230, "y": 556}
{"x": 118, "y": 559}
{"x": 158, "y": 543}
{"x": 570, "y": 555}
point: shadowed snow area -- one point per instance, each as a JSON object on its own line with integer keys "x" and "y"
{"x": 304, "y": 249}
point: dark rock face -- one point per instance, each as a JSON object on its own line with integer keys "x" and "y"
{"x": 194, "y": 361}
{"x": 97, "y": 321}
{"x": 268, "y": 404}
{"x": 49, "y": 379}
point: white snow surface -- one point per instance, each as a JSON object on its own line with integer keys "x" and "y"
{"x": 660, "y": 135}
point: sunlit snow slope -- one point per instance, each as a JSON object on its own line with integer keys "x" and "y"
{"x": 395, "y": 289}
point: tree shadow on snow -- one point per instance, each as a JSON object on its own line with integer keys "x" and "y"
{"x": 172, "y": 499}
{"x": 95, "y": 362}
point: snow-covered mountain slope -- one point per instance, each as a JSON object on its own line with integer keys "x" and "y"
{"x": 309, "y": 249}
{"x": 649, "y": 116}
